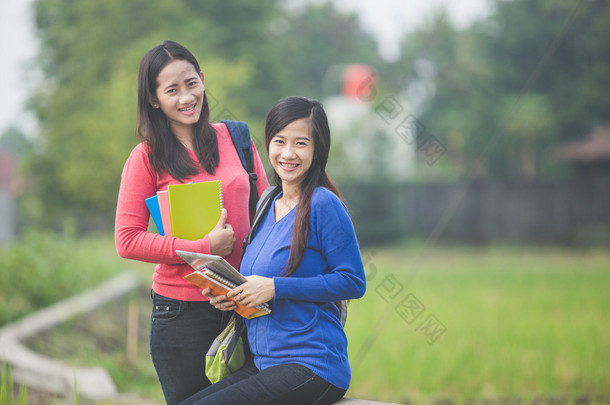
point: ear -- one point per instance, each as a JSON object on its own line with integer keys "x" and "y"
{"x": 202, "y": 77}
{"x": 154, "y": 102}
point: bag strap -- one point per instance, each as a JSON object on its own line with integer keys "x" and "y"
{"x": 240, "y": 135}
{"x": 265, "y": 202}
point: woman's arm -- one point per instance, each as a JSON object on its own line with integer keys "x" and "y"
{"x": 345, "y": 280}
{"x": 132, "y": 239}
{"x": 335, "y": 238}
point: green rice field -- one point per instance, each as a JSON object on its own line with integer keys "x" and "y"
{"x": 470, "y": 324}
{"x": 438, "y": 325}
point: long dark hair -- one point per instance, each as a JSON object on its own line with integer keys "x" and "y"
{"x": 166, "y": 153}
{"x": 284, "y": 112}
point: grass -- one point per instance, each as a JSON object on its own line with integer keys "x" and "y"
{"x": 42, "y": 268}
{"x": 100, "y": 339}
{"x": 7, "y": 389}
{"x": 518, "y": 322}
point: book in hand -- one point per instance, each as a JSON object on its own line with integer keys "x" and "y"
{"x": 215, "y": 273}
{"x": 194, "y": 208}
{"x": 163, "y": 203}
{"x": 153, "y": 206}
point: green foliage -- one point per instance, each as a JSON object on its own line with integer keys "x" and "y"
{"x": 7, "y": 388}
{"x": 100, "y": 339}
{"x": 534, "y": 64}
{"x": 519, "y": 323}
{"x": 306, "y": 44}
{"x": 42, "y": 268}
{"x": 373, "y": 222}
{"x": 498, "y": 94}
{"x": 251, "y": 53}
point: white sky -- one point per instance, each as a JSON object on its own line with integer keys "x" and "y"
{"x": 388, "y": 20}
{"x": 18, "y": 52}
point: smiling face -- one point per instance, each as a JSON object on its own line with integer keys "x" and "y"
{"x": 291, "y": 152}
{"x": 179, "y": 94}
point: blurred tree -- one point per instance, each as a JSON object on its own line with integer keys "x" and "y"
{"x": 531, "y": 64}
{"x": 251, "y": 53}
{"x": 86, "y": 107}
{"x": 14, "y": 140}
{"x": 308, "y": 43}
{"x": 527, "y": 123}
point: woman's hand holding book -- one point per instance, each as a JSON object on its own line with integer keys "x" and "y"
{"x": 222, "y": 237}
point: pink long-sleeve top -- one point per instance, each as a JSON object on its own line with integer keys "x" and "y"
{"x": 140, "y": 181}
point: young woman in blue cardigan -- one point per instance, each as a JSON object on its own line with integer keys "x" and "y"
{"x": 303, "y": 258}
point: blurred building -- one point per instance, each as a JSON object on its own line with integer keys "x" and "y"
{"x": 589, "y": 156}
{"x": 364, "y": 146}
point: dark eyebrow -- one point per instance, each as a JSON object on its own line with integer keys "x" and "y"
{"x": 175, "y": 84}
{"x": 299, "y": 138}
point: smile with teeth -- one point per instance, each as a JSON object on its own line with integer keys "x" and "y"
{"x": 289, "y": 165}
{"x": 186, "y": 109}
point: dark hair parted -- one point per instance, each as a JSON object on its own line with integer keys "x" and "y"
{"x": 283, "y": 113}
{"x": 166, "y": 153}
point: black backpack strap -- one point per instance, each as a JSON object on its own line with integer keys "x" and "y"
{"x": 240, "y": 134}
{"x": 265, "y": 202}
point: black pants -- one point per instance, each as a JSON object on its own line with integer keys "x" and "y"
{"x": 291, "y": 384}
{"x": 181, "y": 333}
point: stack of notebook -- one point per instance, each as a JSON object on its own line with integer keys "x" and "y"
{"x": 216, "y": 273}
{"x": 186, "y": 211}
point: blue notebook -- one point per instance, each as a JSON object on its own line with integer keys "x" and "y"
{"x": 153, "y": 206}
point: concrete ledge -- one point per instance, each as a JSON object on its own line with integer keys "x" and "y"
{"x": 349, "y": 401}
{"x": 50, "y": 375}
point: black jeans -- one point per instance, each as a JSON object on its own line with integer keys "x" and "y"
{"x": 181, "y": 333}
{"x": 291, "y": 384}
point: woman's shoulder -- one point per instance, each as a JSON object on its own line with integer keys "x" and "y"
{"x": 141, "y": 148}
{"x": 331, "y": 219}
{"x": 322, "y": 196}
{"x": 325, "y": 204}
{"x": 221, "y": 129}
{"x": 140, "y": 151}
{"x": 139, "y": 160}
{"x": 223, "y": 136}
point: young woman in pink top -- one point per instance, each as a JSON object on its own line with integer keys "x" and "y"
{"x": 180, "y": 145}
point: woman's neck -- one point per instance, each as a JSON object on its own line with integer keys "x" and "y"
{"x": 291, "y": 192}
{"x": 185, "y": 136}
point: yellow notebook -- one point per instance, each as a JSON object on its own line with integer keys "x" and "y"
{"x": 194, "y": 208}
